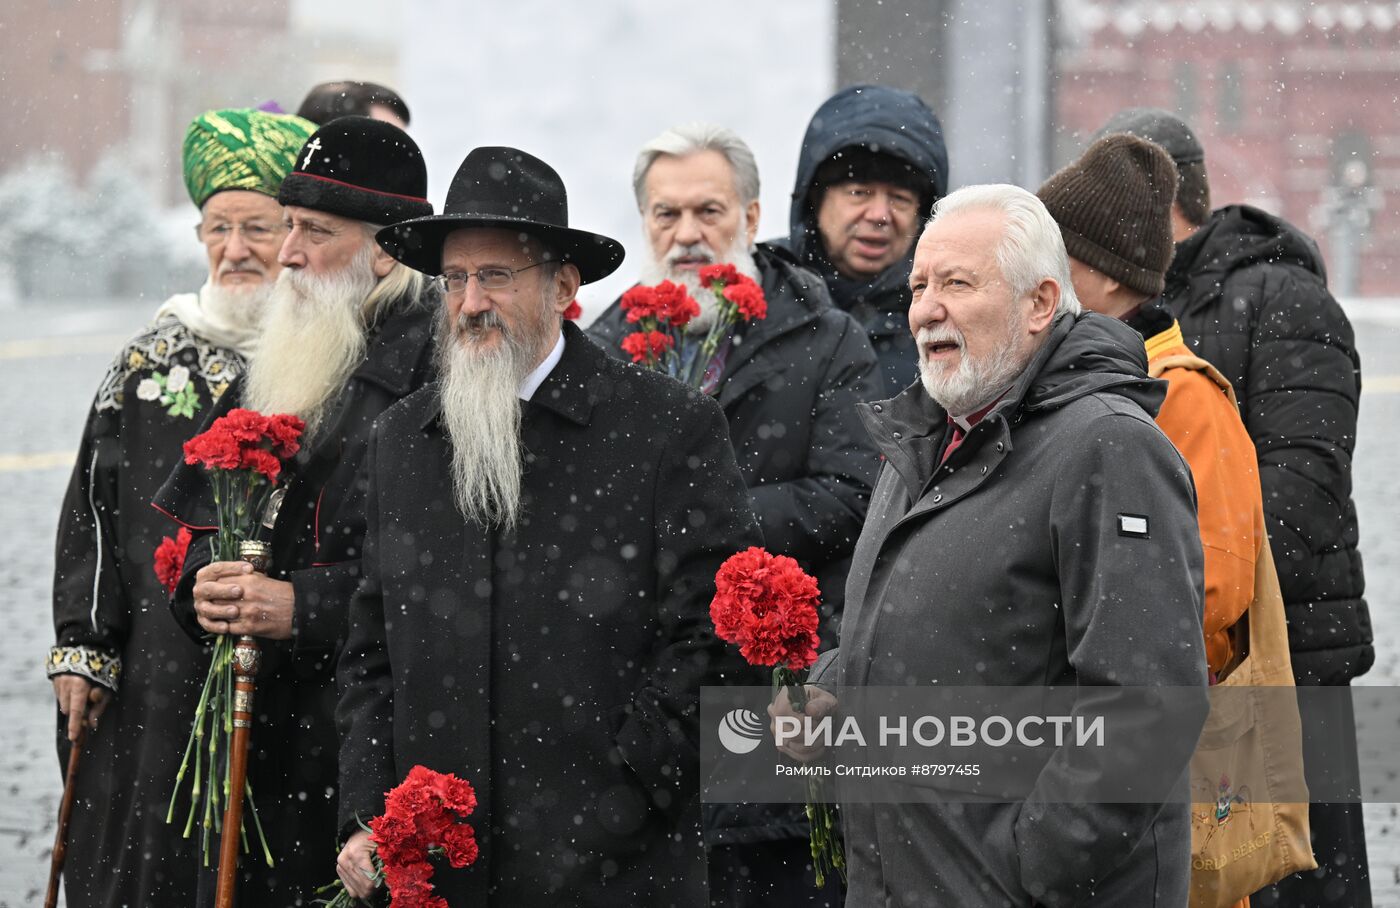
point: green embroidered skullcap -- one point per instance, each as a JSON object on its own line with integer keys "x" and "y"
{"x": 241, "y": 149}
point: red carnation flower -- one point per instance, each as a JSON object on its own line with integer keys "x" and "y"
{"x": 639, "y": 303}
{"x": 245, "y": 426}
{"x": 723, "y": 274}
{"x": 767, "y": 605}
{"x": 573, "y": 312}
{"x": 674, "y": 304}
{"x": 748, "y": 299}
{"x": 262, "y": 462}
{"x": 460, "y": 844}
{"x": 170, "y": 559}
{"x": 456, "y": 794}
{"x": 646, "y": 345}
{"x": 285, "y": 431}
{"x": 215, "y": 449}
{"x": 421, "y": 818}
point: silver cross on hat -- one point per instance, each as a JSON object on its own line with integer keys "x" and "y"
{"x": 312, "y": 147}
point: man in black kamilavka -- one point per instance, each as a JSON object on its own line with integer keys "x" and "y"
{"x": 347, "y": 334}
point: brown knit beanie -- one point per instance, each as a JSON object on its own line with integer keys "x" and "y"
{"x": 1114, "y": 206}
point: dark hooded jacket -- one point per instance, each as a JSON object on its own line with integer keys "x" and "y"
{"x": 1251, "y": 295}
{"x": 893, "y": 122}
{"x": 1008, "y": 564}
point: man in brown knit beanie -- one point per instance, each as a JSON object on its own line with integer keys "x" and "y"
{"x": 1113, "y": 206}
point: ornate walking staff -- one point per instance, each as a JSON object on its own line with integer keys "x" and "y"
{"x": 65, "y": 813}
{"x": 246, "y": 658}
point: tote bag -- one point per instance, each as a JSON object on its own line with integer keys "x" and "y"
{"x": 1250, "y": 749}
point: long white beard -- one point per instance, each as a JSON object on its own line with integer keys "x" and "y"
{"x": 976, "y": 382}
{"x": 655, "y": 270}
{"x": 480, "y": 388}
{"x": 313, "y": 338}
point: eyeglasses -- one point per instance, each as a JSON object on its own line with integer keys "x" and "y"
{"x": 254, "y": 233}
{"x": 454, "y": 283}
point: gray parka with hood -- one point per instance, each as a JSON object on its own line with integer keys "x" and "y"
{"x": 1006, "y": 566}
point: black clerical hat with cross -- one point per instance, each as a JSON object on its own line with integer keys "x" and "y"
{"x": 360, "y": 168}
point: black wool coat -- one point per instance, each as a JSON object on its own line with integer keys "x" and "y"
{"x": 556, "y": 666}
{"x": 789, "y": 391}
{"x": 315, "y": 545}
{"x": 1251, "y": 295}
{"x": 109, "y": 613}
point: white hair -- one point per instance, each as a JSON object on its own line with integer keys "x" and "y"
{"x": 696, "y": 137}
{"x": 401, "y": 282}
{"x": 1031, "y": 248}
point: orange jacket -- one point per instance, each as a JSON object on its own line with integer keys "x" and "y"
{"x": 1201, "y": 418}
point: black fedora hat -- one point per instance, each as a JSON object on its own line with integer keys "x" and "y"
{"x": 506, "y": 189}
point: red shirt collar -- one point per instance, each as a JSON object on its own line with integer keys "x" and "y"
{"x": 968, "y": 422}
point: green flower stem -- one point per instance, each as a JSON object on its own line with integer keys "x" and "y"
{"x": 257, "y": 823}
{"x": 240, "y": 498}
{"x": 827, "y": 847}
{"x": 189, "y": 748}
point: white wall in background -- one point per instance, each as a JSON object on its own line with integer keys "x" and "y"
{"x": 583, "y": 85}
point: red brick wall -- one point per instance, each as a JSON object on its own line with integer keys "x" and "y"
{"x": 1297, "y": 93}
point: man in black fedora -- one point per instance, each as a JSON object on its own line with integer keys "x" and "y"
{"x": 346, "y": 335}
{"x": 543, "y": 528}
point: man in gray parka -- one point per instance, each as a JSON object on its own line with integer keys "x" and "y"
{"x": 1031, "y": 527}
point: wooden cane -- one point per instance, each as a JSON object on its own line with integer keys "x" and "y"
{"x": 65, "y": 813}
{"x": 246, "y": 659}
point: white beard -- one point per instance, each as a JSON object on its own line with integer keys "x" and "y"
{"x": 313, "y": 338}
{"x": 481, "y": 406}
{"x": 655, "y": 270}
{"x": 240, "y": 307}
{"x": 976, "y": 382}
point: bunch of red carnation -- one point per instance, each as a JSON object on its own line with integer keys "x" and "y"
{"x": 661, "y": 314}
{"x": 767, "y": 606}
{"x": 170, "y": 559}
{"x": 243, "y": 452}
{"x": 421, "y": 818}
{"x": 247, "y": 440}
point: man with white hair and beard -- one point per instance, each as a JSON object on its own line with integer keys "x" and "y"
{"x": 789, "y": 385}
{"x": 544, "y": 527}
{"x": 347, "y": 334}
{"x": 1031, "y": 527}
{"x": 118, "y": 655}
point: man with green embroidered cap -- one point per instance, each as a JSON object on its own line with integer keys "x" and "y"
{"x": 119, "y": 655}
